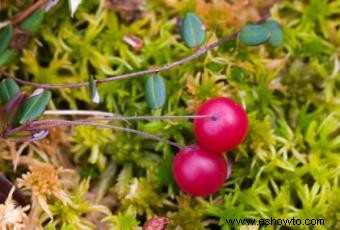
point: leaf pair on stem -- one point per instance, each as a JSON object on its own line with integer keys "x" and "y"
{"x": 18, "y": 112}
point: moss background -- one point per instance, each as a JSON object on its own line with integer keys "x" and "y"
{"x": 287, "y": 167}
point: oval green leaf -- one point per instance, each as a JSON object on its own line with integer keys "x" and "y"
{"x": 253, "y": 35}
{"x": 33, "y": 22}
{"x": 93, "y": 90}
{"x": 34, "y": 106}
{"x": 8, "y": 89}
{"x": 276, "y": 37}
{"x": 155, "y": 91}
{"x": 193, "y": 30}
{"x": 7, "y": 57}
{"x": 6, "y": 35}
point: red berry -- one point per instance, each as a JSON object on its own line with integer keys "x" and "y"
{"x": 227, "y": 128}
{"x": 198, "y": 172}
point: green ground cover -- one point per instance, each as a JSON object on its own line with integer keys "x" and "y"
{"x": 287, "y": 167}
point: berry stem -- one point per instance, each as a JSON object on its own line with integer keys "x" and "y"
{"x": 112, "y": 117}
{"x": 41, "y": 125}
{"x": 168, "y": 66}
{"x": 78, "y": 112}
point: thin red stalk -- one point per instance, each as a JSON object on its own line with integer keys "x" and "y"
{"x": 113, "y": 118}
{"x": 43, "y": 121}
{"x": 79, "y": 113}
{"x": 149, "y": 118}
{"x": 197, "y": 54}
{"x": 109, "y": 116}
{"x": 39, "y": 123}
{"x": 59, "y": 123}
{"x": 15, "y": 130}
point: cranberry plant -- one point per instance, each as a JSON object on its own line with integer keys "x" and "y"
{"x": 97, "y": 74}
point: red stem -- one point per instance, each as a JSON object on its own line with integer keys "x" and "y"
{"x": 59, "y": 123}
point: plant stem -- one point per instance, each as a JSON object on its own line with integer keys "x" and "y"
{"x": 78, "y": 112}
{"x": 52, "y": 123}
{"x": 197, "y": 54}
{"x": 59, "y": 123}
{"x": 112, "y": 117}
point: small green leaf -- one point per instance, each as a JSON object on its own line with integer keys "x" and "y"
{"x": 276, "y": 37}
{"x": 34, "y": 106}
{"x": 238, "y": 74}
{"x": 6, "y": 35}
{"x": 164, "y": 172}
{"x": 254, "y": 34}
{"x": 7, "y": 57}
{"x": 155, "y": 91}
{"x": 192, "y": 30}
{"x": 93, "y": 91}
{"x": 33, "y": 22}
{"x": 8, "y": 89}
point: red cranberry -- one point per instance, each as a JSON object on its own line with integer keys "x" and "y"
{"x": 226, "y": 129}
{"x": 198, "y": 172}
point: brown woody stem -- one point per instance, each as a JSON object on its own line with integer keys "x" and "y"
{"x": 197, "y": 54}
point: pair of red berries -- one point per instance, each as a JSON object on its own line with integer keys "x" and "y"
{"x": 201, "y": 169}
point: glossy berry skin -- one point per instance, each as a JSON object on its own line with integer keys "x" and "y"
{"x": 199, "y": 172}
{"x": 227, "y": 129}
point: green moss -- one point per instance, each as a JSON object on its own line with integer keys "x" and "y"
{"x": 287, "y": 167}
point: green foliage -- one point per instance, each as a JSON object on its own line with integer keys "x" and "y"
{"x": 89, "y": 144}
{"x": 276, "y": 35}
{"x": 164, "y": 172}
{"x": 72, "y": 216}
{"x": 7, "y": 57}
{"x": 254, "y": 35}
{"x": 8, "y": 89}
{"x": 124, "y": 220}
{"x": 34, "y": 106}
{"x": 193, "y": 30}
{"x": 189, "y": 215}
{"x": 288, "y": 165}
{"x": 143, "y": 196}
{"x": 6, "y": 35}
{"x": 155, "y": 91}
{"x": 33, "y": 22}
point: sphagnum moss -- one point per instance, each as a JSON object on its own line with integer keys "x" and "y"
{"x": 44, "y": 183}
{"x": 12, "y": 216}
{"x": 288, "y": 166}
